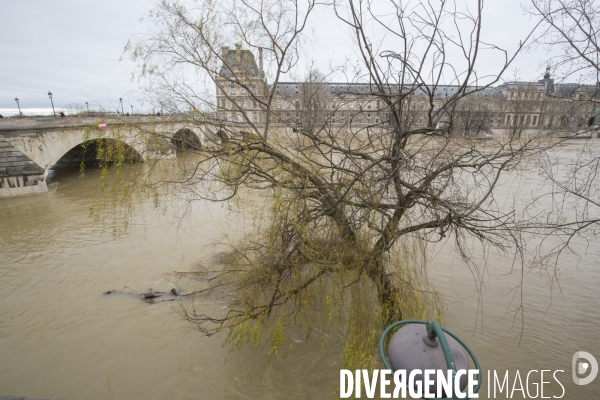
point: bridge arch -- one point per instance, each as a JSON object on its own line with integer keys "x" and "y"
{"x": 223, "y": 135}
{"x": 98, "y": 151}
{"x": 47, "y": 148}
{"x": 186, "y": 139}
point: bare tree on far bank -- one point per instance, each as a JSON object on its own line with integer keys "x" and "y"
{"x": 357, "y": 178}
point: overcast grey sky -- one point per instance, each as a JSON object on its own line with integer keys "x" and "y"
{"x": 72, "y": 48}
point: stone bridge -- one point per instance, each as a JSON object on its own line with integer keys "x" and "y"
{"x": 30, "y": 146}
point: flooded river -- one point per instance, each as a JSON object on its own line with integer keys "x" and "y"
{"x": 60, "y": 337}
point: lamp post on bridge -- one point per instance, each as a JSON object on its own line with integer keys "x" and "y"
{"x": 88, "y": 107}
{"x": 51, "y": 101}
{"x": 18, "y": 105}
{"x": 121, "y": 102}
{"x": 131, "y": 109}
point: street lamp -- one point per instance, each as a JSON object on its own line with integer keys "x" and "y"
{"x": 51, "y": 101}
{"x": 88, "y": 107}
{"x": 121, "y": 102}
{"x": 18, "y": 105}
{"x": 131, "y": 109}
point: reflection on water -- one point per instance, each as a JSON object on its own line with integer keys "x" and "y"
{"x": 60, "y": 337}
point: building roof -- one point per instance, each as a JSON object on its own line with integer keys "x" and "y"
{"x": 246, "y": 62}
{"x": 338, "y": 88}
{"x": 239, "y": 59}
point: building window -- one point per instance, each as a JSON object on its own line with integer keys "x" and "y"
{"x": 287, "y": 105}
{"x": 232, "y": 90}
{"x": 369, "y": 104}
{"x": 255, "y": 117}
{"x": 253, "y": 88}
{"x": 223, "y": 103}
{"x": 244, "y": 104}
{"x": 297, "y": 104}
{"x": 243, "y": 90}
{"x": 508, "y": 120}
{"x": 351, "y": 104}
{"x": 254, "y": 103}
{"x": 535, "y": 119}
{"x": 278, "y": 104}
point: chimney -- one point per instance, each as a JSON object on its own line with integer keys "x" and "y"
{"x": 224, "y": 53}
{"x": 238, "y": 53}
{"x": 260, "y": 62}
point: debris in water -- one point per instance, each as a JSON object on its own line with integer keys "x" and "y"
{"x": 149, "y": 296}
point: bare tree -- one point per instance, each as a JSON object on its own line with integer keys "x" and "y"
{"x": 574, "y": 27}
{"x": 472, "y": 119}
{"x": 360, "y": 183}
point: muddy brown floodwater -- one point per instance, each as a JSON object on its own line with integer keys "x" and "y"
{"x": 60, "y": 337}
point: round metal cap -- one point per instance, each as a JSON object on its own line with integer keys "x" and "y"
{"x": 410, "y": 349}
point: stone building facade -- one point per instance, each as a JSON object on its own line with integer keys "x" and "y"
{"x": 511, "y": 109}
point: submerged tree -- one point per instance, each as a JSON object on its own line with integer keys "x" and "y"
{"x": 358, "y": 176}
